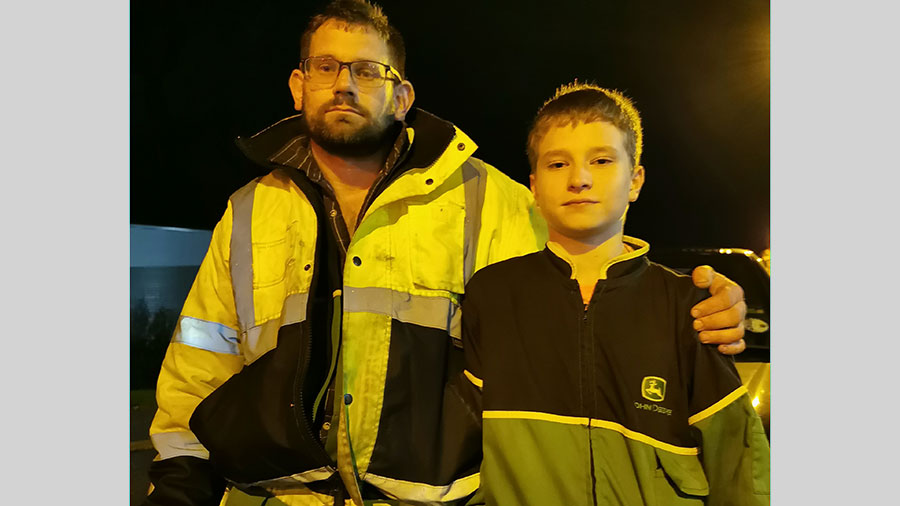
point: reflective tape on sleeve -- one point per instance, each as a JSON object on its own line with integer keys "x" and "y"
{"x": 474, "y": 181}
{"x": 206, "y": 335}
{"x": 178, "y": 444}
{"x": 242, "y": 255}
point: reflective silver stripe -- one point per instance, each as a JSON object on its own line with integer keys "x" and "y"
{"x": 178, "y": 444}
{"x": 260, "y": 339}
{"x": 294, "y": 310}
{"x": 434, "y": 312}
{"x": 423, "y": 492}
{"x": 288, "y": 482}
{"x": 242, "y": 254}
{"x": 474, "y": 181}
{"x": 456, "y": 323}
{"x": 206, "y": 335}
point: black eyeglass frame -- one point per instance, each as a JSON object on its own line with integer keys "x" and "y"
{"x": 304, "y": 67}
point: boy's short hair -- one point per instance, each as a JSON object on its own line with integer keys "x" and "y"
{"x": 586, "y": 103}
{"x": 359, "y": 13}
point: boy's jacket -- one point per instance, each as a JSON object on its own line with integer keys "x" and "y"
{"x": 616, "y": 403}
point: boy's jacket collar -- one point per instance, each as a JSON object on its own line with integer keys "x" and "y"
{"x": 621, "y": 268}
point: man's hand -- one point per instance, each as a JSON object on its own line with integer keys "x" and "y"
{"x": 720, "y": 318}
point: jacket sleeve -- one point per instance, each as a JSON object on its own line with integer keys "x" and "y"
{"x": 510, "y": 224}
{"x": 202, "y": 355}
{"x": 733, "y": 445}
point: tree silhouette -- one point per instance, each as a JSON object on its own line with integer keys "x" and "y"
{"x": 150, "y": 335}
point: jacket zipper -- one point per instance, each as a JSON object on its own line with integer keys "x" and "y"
{"x": 587, "y": 335}
{"x": 299, "y": 415}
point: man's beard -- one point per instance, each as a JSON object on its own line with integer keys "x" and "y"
{"x": 365, "y": 141}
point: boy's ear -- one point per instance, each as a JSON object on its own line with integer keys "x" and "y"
{"x": 296, "y": 84}
{"x": 531, "y": 182}
{"x": 404, "y": 96}
{"x": 637, "y": 181}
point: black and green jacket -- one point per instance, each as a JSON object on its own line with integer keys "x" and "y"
{"x": 616, "y": 403}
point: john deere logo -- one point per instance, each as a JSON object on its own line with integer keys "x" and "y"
{"x": 653, "y": 388}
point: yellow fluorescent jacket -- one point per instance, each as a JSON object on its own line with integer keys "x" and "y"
{"x": 407, "y": 264}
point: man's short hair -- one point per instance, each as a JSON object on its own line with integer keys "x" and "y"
{"x": 359, "y": 13}
{"x": 586, "y": 103}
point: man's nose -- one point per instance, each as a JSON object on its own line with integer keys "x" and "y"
{"x": 345, "y": 82}
{"x": 580, "y": 177}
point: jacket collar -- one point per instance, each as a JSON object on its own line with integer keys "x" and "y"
{"x": 430, "y": 138}
{"x": 621, "y": 268}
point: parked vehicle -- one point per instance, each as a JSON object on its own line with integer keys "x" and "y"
{"x": 747, "y": 269}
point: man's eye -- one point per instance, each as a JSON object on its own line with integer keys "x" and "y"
{"x": 325, "y": 67}
{"x": 366, "y": 73}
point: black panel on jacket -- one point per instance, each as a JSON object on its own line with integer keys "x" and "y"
{"x": 249, "y": 424}
{"x": 184, "y": 481}
{"x": 416, "y": 401}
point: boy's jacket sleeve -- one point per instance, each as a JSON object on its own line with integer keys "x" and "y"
{"x": 203, "y": 354}
{"x": 473, "y": 371}
{"x": 734, "y": 450}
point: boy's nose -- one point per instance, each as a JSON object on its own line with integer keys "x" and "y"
{"x": 580, "y": 177}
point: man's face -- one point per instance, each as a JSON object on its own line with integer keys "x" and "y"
{"x": 344, "y": 119}
{"x": 583, "y": 180}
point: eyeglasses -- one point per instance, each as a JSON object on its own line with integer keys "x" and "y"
{"x": 324, "y": 70}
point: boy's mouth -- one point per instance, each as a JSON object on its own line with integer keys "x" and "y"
{"x": 580, "y": 202}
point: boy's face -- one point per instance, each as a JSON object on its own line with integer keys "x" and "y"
{"x": 583, "y": 180}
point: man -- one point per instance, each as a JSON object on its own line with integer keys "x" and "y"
{"x": 316, "y": 353}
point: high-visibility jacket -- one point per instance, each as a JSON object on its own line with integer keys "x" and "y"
{"x": 244, "y": 371}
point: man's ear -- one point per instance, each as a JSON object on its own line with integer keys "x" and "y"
{"x": 404, "y": 96}
{"x": 637, "y": 181}
{"x": 296, "y": 84}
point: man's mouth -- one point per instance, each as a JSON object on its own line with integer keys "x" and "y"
{"x": 344, "y": 109}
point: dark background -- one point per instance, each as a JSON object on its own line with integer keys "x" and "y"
{"x": 203, "y": 73}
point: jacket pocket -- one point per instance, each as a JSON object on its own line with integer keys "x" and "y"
{"x": 684, "y": 473}
{"x": 436, "y": 246}
{"x": 269, "y": 262}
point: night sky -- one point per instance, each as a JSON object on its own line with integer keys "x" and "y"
{"x": 697, "y": 71}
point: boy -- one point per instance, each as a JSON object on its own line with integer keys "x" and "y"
{"x": 595, "y": 388}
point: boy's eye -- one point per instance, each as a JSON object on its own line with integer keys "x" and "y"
{"x": 556, "y": 165}
{"x": 602, "y": 161}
